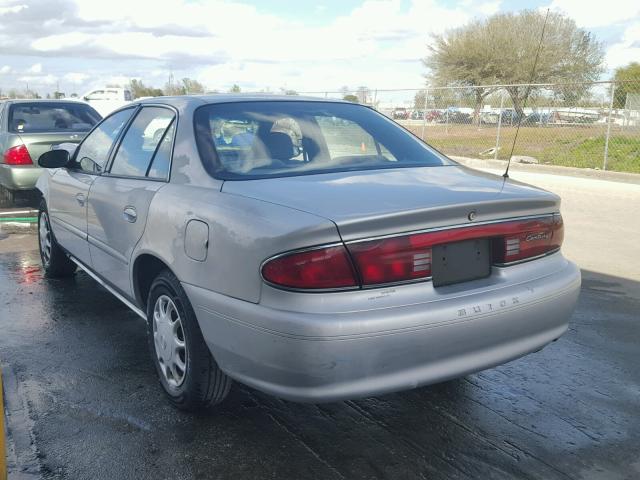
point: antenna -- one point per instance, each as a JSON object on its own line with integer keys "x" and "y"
{"x": 524, "y": 105}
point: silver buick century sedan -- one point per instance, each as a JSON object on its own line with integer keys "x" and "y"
{"x": 311, "y": 249}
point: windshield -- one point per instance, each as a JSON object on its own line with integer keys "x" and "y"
{"x": 43, "y": 117}
{"x": 246, "y": 140}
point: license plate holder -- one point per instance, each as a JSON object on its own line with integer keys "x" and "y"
{"x": 460, "y": 262}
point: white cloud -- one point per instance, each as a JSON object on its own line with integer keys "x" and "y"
{"x": 12, "y": 9}
{"x": 490, "y": 8}
{"x": 377, "y": 37}
{"x": 627, "y": 50}
{"x": 5, "y": 69}
{"x": 221, "y": 42}
{"x": 595, "y": 13}
{"x": 76, "y": 77}
{"x": 39, "y": 79}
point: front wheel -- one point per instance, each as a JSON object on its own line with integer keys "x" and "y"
{"x": 188, "y": 373}
{"x": 55, "y": 262}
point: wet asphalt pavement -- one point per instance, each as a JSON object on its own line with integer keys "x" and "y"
{"x": 81, "y": 387}
{"x": 83, "y": 401}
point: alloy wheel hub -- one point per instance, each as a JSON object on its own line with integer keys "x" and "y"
{"x": 169, "y": 341}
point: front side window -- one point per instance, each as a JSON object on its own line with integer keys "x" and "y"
{"x": 139, "y": 144}
{"x": 94, "y": 150}
{"x": 246, "y": 140}
{"x": 45, "y": 117}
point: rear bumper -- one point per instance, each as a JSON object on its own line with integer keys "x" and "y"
{"x": 16, "y": 177}
{"x": 325, "y": 357}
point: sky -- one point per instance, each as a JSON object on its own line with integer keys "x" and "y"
{"x": 307, "y": 46}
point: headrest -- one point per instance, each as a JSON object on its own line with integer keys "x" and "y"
{"x": 279, "y": 145}
{"x": 18, "y": 124}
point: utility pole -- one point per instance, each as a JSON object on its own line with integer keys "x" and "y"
{"x": 495, "y": 153}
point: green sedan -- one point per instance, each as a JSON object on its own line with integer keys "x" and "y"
{"x": 28, "y": 128}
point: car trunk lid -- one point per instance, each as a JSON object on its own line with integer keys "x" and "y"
{"x": 381, "y": 202}
{"x": 39, "y": 143}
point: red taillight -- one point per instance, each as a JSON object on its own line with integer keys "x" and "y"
{"x": 530, "y": 239}
{"x": 322, "y": 268}
{"x": 18, "y": 155}
{"x": 408, "y": 257}
{"x": 394, "y": 259}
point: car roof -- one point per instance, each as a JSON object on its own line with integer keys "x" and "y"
{"x": 183, "y": 100}
{"x": 44, "y": 100}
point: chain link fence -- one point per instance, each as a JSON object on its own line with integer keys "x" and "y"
{"x": 593, "y": 125}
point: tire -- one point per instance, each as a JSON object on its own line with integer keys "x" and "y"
{"x": 55, "y": 262}
{"x": 188, "y": 373}
{"x": 7, "y": 197}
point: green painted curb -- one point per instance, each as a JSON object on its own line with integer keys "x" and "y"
{"x": 19, "y": 219}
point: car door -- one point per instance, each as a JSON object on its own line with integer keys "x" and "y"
{"x": 69, "y": 187}
{"x": 119, "y": 199}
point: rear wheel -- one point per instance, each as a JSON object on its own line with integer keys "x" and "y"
{"x": 188, "y": 373}
{"x": 55, "y": 261}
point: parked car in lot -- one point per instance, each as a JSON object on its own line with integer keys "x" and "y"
{"x": 329, "y": 254}
{"x": 107, "y": 99}
{"x": 29, "y": 128}
{"x": 400, "y": 113}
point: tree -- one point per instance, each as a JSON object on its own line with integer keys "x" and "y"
{"x": 459, "y": 57}
{"x": 139, "y": 89}
{"x": 628, "y": 81}
{"x": 350, "y": 98}
{"x": 235, "y": 89}
{"x": 192, "y": 87}
{"x": 363, "y": 94}
{"x": 502, "y": 49}
{"x": 187, "y": 86}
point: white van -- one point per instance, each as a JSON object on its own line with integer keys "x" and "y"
{"x": 106, "y": 100}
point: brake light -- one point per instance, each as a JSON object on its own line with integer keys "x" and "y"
{"x": 322, "y": 268}
{"x": 394, "y": 259}
{"x": 18, "y": 155}
{"x": 531, "y": 239}
{"x": 406, "y": 258}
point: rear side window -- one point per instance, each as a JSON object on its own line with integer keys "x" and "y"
{"x": 162, "y": 160}
{"x": 143, "y": 138}
{"x": 43, "y": 117}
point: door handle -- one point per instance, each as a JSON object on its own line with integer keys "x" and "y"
{"x": 80, "y": 198}
{"x": 130, "y": 214}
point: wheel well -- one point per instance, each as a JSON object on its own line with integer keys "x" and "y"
{"x": 145, "y": 270}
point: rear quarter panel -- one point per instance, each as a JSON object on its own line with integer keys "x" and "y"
{"x": 243, "y": 232}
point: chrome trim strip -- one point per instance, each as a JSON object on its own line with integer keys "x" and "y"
{"x": 135, "y": 309}
{"x": 450, "y": 227}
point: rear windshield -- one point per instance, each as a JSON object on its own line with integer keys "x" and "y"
{"x": 43, "y": 117}
{"x": 247, "y": 140}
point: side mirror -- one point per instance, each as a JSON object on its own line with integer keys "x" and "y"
{"x": 54, "y": 159}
